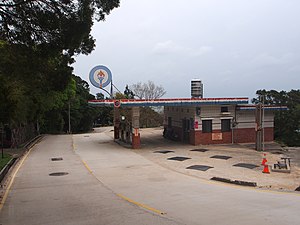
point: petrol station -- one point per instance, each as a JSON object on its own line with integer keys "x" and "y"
{"x": 195, "y": 120}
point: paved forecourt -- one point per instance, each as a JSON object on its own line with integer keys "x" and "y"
{"x": 37, "y": 198}
{"x": 183, "y": 198}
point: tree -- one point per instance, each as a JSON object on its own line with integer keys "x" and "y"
{"x": 60, "y": 24}
{"x": 286, "y": 123}
{"x": 128, "y": 93}
{"x": 147, "y": 90}
{"x": 99, "y": 96}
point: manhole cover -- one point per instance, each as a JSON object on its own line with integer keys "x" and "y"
{"x": 246, "y": 165}
{"x": 86, "y": 136}
{"x": 199, "y": 150}
{"x": 57, "y": 159}
{"x": 178, "y": 158}
{"x": 225, "y": 157}
{"x": 58, "y": 174}
{"x": 199, "y": 167}
{"x": 163, "y": 151}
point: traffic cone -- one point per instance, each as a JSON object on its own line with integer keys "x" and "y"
{"x": 264, "y": 160}
{"x": 266, "y": 169}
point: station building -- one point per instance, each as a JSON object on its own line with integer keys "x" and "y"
{"x": 218, "y": 123}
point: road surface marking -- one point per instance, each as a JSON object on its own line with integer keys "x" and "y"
{"x": 86, "y": 166}
{"x": 73, "y": 145}
{"x": 12, "y": 179}
{"x": 141, "y": 205}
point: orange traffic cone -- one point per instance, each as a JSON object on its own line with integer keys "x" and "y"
{"x": 266, "y": 169}
{"x": 264, "y": 160}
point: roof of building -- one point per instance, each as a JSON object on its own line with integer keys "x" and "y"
{"x": 242, "y": 103}
{"x": 265, "y": 107}
{"x": 169, "y": 102}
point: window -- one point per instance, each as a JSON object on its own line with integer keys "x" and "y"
{"x": 206, "y": 126}
{"x": 224, "y": 109}
{"x": 225, "y": 125}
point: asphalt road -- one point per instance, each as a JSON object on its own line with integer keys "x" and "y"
{"x": 108, "y": 184}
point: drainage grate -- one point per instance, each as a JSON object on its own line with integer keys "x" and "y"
{"x": 86, "y": 136}
{"x": 58, "y": 174}
{"x": 57, "y": 159}
{"x": 163, "y": 151}
{"x": 225, "y": 157}
{"x": 246, "y": 165}
{"x": 178, "y": 158}
{"x": 297, "y": 189}
{"x": 199, "y": 167}
{"x": 199, "y": 150}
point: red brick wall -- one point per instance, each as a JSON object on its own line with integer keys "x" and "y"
{"x": 197, "y": 138}
{"x": 246, "y": 135}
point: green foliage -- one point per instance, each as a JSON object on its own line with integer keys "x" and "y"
{"x": 4, "y": 160}
{"x": 150, "y": 118}
{"x": 105, "y": 116}
{"x": 128, "y": 93}
{"x": 287, "y": 123}
{"x": 38, "y": 42}
{"x": 64, "y": 25}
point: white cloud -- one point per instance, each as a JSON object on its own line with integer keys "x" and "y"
{"x": 266, "y": 59}
{"x": 168, "y": 47}
{"x": 202, "y": 51}
{"x": 171, "y": 47}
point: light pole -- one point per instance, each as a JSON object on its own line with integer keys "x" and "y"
{"x": 263, "y": 122}
{"x": 69, "y": 114}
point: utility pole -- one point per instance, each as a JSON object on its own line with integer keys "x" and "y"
{"x": 260, "y": 117}
{"x": 263, "y": 122}
{"x": 69, "y": 113}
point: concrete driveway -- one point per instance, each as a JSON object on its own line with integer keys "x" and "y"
{"x": 186, "y": 199}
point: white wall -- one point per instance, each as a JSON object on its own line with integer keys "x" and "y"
{"x": 245, "y": 119}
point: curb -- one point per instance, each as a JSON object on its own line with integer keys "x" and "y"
{"x": 236, "y": 182}
{"x": 32, "y": 142}
{"x": 6, "y": 168}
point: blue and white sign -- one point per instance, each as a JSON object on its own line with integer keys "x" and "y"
{"x": 100, "y": 76}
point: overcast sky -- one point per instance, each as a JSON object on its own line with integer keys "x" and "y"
{"x": 234, "y": 46}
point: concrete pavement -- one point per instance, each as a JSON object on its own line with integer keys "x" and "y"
{"x": 183, "y": 198}
{"x": 76, "y": 198}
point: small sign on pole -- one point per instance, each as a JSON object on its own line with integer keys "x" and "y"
{"x": 117, "y": 103}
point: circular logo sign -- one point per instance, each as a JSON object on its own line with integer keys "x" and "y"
{"x": 117, "y": 103}
{"x": 100, "y": 76}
